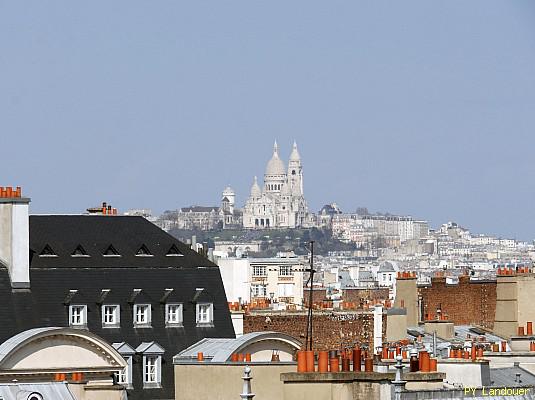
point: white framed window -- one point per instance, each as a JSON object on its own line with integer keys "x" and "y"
{"x": 111, "y": 315}
{"x": 152, "y": 374}
{"x": 173, "y": 314}
{"x": 285, "y": 270}
{"x": 259, "y": 290}
{"x": 259, "y": 270}
{"x": 124, "y": 377}
{"x": 78, "y": 315}
{"x": 142, "y": 315}
{"x": 285, "y": 289}
{"x": 205, "y": 313}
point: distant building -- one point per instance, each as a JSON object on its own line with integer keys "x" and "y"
{"x": 281, "y": 203}
{"x": 279, "y": 279}
{"x": 209, "y": 218}
{"x": 326, "y": 214}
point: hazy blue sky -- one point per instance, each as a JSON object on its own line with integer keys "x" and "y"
{"x": 418, "y": 107}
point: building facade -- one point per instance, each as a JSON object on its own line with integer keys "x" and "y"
{"x": 280, "y": 203}
{"x": 119, "y": 277}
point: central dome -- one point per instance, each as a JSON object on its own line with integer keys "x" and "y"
{"x": 275, "y": 166}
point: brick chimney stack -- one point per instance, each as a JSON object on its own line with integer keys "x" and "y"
{"x": 15, "y": 236}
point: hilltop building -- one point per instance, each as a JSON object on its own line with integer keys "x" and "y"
{"x": 281, "y": 202}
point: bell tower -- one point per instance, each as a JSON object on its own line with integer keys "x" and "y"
{"x": 295, "y": 172}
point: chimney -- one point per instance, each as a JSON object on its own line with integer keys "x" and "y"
{"x": 15, "y": 236}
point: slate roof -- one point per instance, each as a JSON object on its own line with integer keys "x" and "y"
{"x": 511, "y": 377}
{"x": 366, "y": 276}
{"x": 46, "y": 304}
{"x": 127, "y": 234}
{"x": 386, "y": 267}
{"x": 345, "y": 279}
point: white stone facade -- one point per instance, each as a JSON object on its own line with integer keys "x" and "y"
{"x": 280, "y": 204}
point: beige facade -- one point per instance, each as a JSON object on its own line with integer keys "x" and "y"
{"x": 407, "y": 297}
{"x": 514, "y": 307}
{"x": 396, "y": 325}
{"x": 225, "y": 383}
{"x": 280, "y": 278}
{"x": 354, "y": 385}
{"x": 443, "y": 329}
{"x": 83, "y": 361}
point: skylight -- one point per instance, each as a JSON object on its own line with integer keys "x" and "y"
{"x": 47, "y": 252}
{"x": 143, "y": 251}
{"x": 173, "y": 251}
{"x": 111, "y": 252}
{"x": 79, "y": 251}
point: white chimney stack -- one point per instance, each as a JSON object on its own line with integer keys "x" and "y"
{"x": 15, "y": 236}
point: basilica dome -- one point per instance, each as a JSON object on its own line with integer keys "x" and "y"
{"x": 275, "y": 166}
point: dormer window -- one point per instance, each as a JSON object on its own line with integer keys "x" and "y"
{"x": 47, "y": 252}
{"x": 79, "y": 251}
{"x": 143, "y": 252}
{"x": 173, "y": 314}
{"x": 142, "y": 315}
{"x": 111, "y": 315}
{"x": 78, "y": 316}
{"x": 174, "y": 252}
{"x": 205, "y": 314}
{"x": 111, "y": 252}
{"x": 152, "y": 364}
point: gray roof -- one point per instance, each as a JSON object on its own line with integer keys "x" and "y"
{"x": 508, "y": 377}
{"x": 461, "y": 332}
{"x": 220, "y": 350}
{"x": 53, "y": 390}
{"x": 366, "y": 276}
{"x": 386, "y": 267}
{"x": 150, "y": 348}
{"x": 124, "y": 348}
{"x": 345, "y": 279}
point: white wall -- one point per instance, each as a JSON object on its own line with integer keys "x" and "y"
{"x": 236, "y": 278}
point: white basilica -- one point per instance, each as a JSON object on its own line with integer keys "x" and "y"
{"x": 281, "y": 203}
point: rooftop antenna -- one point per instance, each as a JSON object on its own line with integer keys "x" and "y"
{"x": 308, "y": 340}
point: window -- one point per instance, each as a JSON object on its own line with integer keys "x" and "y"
{"x": 173, "y": 314}
{"x": 152, "y": 371}
{"x": 259, "y": 270}
{"x": 285, "y": 289}
{"x": 285, "y": 270}
{"x": 259, "y": 290}
{"x": 205, "y": 313}
{"x": 111, "y": 252}
{"x": 173, "y": 251}
{"x": 124, "y": 377}
{"x": 110, "y": 315}
{"x": 141, "y": 315}
{"x": 47, "y": 252}
{"x": 78, "y": 315}
{"x": 79, "y": 252}
{"x": 143, "y": 252}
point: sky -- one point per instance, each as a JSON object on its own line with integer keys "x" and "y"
{"x": 411, "y": 107}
